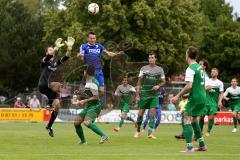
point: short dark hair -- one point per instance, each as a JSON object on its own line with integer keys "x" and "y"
{"x": 192, "y": 52}
{"x": 215, "y": 69}
{"x": 205, "y": 63}
{"x": 125, "y": 76}
{"x": 152, "y": 53}
{"x": 92, "y": 33}
{"x": 90, "y": 70}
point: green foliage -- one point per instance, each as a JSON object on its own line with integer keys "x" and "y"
{"x": 166, "y": 27}
{"x": 20, "y": 38}
{"x": 220, "y": 38}
{"x": 163, "y": 26}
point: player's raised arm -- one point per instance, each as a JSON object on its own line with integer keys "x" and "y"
{"x": 58, "y": 44}
{"x": 112, "y": 54}
{"x": 80, "y": 54}
{"x": 70, "y": 42}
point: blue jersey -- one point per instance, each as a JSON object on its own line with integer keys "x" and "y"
{"x": 92, "y": 54}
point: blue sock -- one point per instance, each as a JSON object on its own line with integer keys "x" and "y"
{"x": 145, "y": 123}
{"x": 157, "y": 123}
{"x": 101, "y": 99}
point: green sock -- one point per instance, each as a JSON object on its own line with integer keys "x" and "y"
{"x": 235, "y": 121}
{"x": 238, "y": 120}
{"x": 210, "y": 125}
{"x": 201, "y": 142}
{"x": 201, "y": 123}
{"x": 188, "y": 135}
{"x": 151, "y": 125}
{"x": 182, "y": 123}
{"x": 95, "y": 129}
{"x": 197, "y": 133}
{"x": 80, "y": 133}
{"x": 130, "y": 119}
{"x": 139, "y": 122}
{"x": 121, "y": 122}
{"x": 196, "y": 129}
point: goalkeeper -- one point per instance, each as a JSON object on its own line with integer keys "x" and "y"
{"x": 49, "y": 65}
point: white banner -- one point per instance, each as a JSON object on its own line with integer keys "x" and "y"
{"x": 68, "y": 115}
{"x": 166, "y": 116}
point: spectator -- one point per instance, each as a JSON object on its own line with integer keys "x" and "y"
{"x": 171, "y": 106}
{"x": 19, "y": 103}
{"x": 34, "y": 103}
{"x": 74, "y": 101}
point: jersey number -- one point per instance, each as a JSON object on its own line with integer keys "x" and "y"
{"x": 202, "y": 77}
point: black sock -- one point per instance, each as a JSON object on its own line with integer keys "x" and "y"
{"x": 52, "y": 119}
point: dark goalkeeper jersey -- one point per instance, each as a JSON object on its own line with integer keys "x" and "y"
{"x": 47, "y": 67}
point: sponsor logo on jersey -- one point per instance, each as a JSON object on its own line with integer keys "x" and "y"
{"x": 94, "y": 51}
{"x": 52, "y": 68}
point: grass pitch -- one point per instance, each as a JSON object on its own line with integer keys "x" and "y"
{"x": 31, "y": 141}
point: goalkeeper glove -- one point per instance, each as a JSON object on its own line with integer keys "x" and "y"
{"x": 58, "y": 44}
{"x": 70, "y": 42}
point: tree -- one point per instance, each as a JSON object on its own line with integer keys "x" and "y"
{"x": 20, "y": 39}
{"x": 166, "y": 27}
{"x": 220, "y": 38}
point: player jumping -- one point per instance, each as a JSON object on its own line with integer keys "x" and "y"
{"x": 150, "y": 79}
{"x": 125, "y": 92}
{"x": 92, "y": 107}
{"x": 195, "y": 86}
{"x": 91, "y": 53}
{"x": 50, "y": 64}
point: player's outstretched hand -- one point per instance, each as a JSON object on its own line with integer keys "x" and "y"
{"x": 58, "y": 43}
{"x": 70, "y": 42}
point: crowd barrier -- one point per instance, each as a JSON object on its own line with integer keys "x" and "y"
{"x": 113, "y": 116}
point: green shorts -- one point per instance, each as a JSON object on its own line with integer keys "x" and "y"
{"x": 91, "y": 111}
{"x": 125, "y": 107}
{"x": 211, "y": 110}
{"x": 149, "y": 102}
{"x": 194, "y": 110}
{"x": 235, "y": 107}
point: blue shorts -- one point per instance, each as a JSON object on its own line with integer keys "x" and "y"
{"x": 100, "y": 77}
{"x": 158, "y": 111}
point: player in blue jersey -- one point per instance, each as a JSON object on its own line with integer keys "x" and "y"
{"x": 162, "y": 92}
{"x": 91, "y": 52}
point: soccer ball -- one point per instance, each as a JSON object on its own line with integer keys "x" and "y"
{"x": 93, "y": 8}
